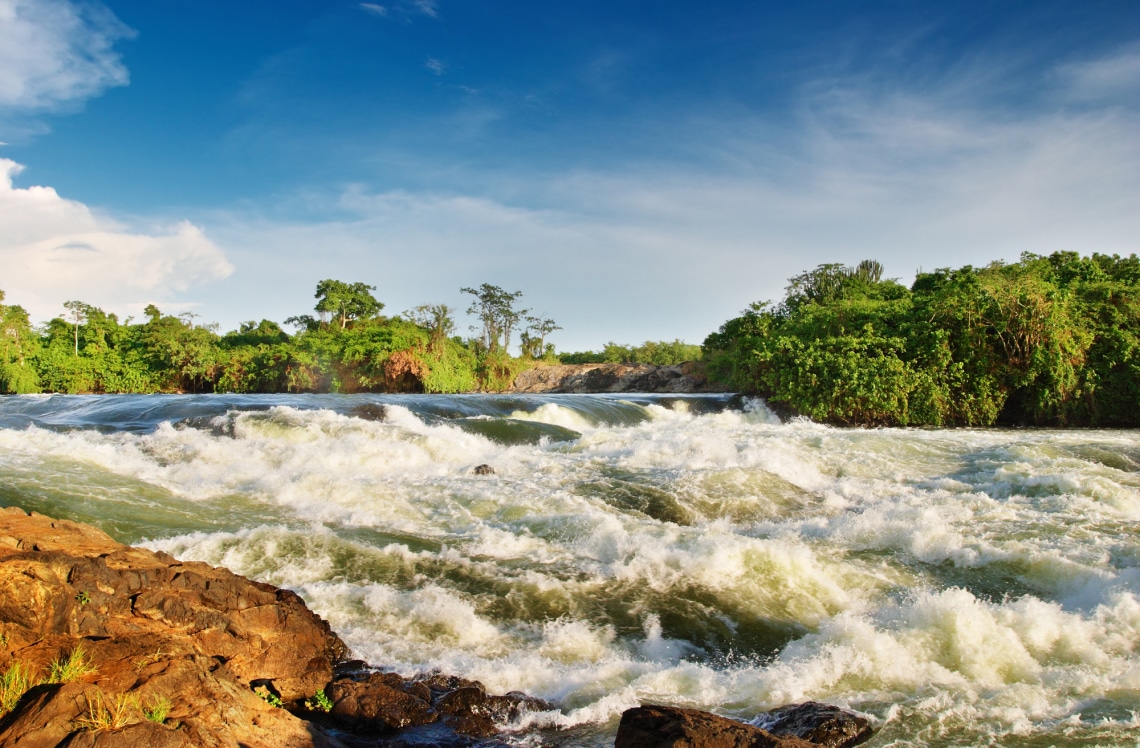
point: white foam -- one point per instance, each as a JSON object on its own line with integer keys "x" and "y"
{"x": 852, "y": 538}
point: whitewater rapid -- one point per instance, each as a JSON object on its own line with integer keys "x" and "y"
{"x": 959, "y": 587}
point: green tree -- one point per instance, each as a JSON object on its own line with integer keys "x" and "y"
{"x": 437, "y": 319}
{"x": 346, "y": 301}
{"x": 496, "y": 311}
{"x": 533, "y": 338}
{"x": 77, "y": 312}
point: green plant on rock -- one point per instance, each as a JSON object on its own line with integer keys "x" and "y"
{"x": 71, "y": 669}
{"x": 157, "y": 708}
{"x": 14, "y": 683}
{"x": 82, "y": 597}
{"x": 268, "y": 696}
{"x": 109, "y": 713}
{"x": 319, "y": 702}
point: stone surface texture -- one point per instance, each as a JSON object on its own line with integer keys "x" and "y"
{"x": 822, "y": 724}
{"x": 582, "y": 378}
{"x": 651, "y": 726}
{"x": 203, "y": 638}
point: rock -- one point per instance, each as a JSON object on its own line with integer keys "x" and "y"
{"x": 151, "y": 627}
{"x": 822, "y": 724}
{"x": 382, "y": 702}
{"x": 378, "y": 703}
{"x": 650, "y": 726}
{"x": 484, "y": 470}
{"x": 581, "y": 378}
{"x": 203, "y": 639}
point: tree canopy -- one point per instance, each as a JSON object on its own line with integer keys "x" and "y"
{"x": 1043, "y": 341}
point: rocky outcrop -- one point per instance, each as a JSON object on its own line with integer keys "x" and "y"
{"x": 821, "y": 724}
{"x": 794, "y": 726}
{"x": 652, "y": 726}
{"x": 581, "y": 378}
{"x": 167, "y": 653}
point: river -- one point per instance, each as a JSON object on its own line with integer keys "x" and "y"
{"x": 959, "y": 587}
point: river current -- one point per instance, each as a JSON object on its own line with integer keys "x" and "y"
{"x": 959, "y": 587}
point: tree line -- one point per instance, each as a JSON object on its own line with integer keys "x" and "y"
{"x": 1045, "y": 341}
{"x": 348, "y": 345}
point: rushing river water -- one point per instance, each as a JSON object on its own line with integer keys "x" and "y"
{"x": 965, "y": 587}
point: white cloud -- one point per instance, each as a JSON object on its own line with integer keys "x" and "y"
{"x": 373, "y": 8}
{"x": 53, "y": 249}
{"x": 427, "y": 7}
{"x": 435, "y": 66}
{"x": 1107, "y": 77}
{"x": 914, "y": 178}
{"x": 56, "y": 52}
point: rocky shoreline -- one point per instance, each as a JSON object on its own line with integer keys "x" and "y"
{"x": 104, "y": 645}
{"x": 684, "y": 378}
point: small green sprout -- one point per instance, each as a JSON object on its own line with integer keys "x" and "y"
{"x": 82, "y": 597}
{"x": 157, "y": 708}
{"x": 268, "y": 696}
{"x": 319, "y": 702}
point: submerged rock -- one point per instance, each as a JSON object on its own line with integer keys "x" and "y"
{"x": 484, "y": 470}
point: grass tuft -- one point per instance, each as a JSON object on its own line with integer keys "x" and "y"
{"x": 14, "y": 683}
{"x": 72, "y": 669}
{"x": 157, "y": 708}
{"x": 109, "y": 713}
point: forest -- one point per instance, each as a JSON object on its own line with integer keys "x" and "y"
{"x": 1045, "y": 341}
{"x": 347, "y": 346}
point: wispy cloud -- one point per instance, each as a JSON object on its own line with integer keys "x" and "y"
{"x": 435, "y": 66}
{"x": 1111, "y": 76}
{"x": 56, "y": 52}
{"x": 912, "y": 173}
{"x": 375, "y": 9}
{"x": 427, "y": 7}
{"x": 53, "y": 249}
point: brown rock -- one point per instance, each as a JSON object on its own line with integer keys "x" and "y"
{"x": 821, "y": 724}
{"x": 379, "y": 703}
{"x": 652, "y": 726}
{"x": 152, "y": 627}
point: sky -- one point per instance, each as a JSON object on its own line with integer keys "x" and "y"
{"x": 639, "y": 170}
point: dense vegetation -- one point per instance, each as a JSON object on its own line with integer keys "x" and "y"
{"x": 661, "y": 353}
{"x": 1044, "y": 341}
{"x": 348, "y": 347}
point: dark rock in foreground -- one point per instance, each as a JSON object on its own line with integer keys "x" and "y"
{"x": 652, "y": 726}
{"x": 793, "y": 726}
{"x": 199, "y": 639}
{"x": 821, "y": 724}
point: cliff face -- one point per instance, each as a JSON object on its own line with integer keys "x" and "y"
{"x": 583, "y": 378}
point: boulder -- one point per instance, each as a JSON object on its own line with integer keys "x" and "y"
{"x": 378, "y": 703}
{"x": 151, "y": 628}
{"x": 822, "y": 724}
{"x": 651, "y": 726}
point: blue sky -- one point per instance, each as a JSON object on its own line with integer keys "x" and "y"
{"x": 639, "y": 170}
